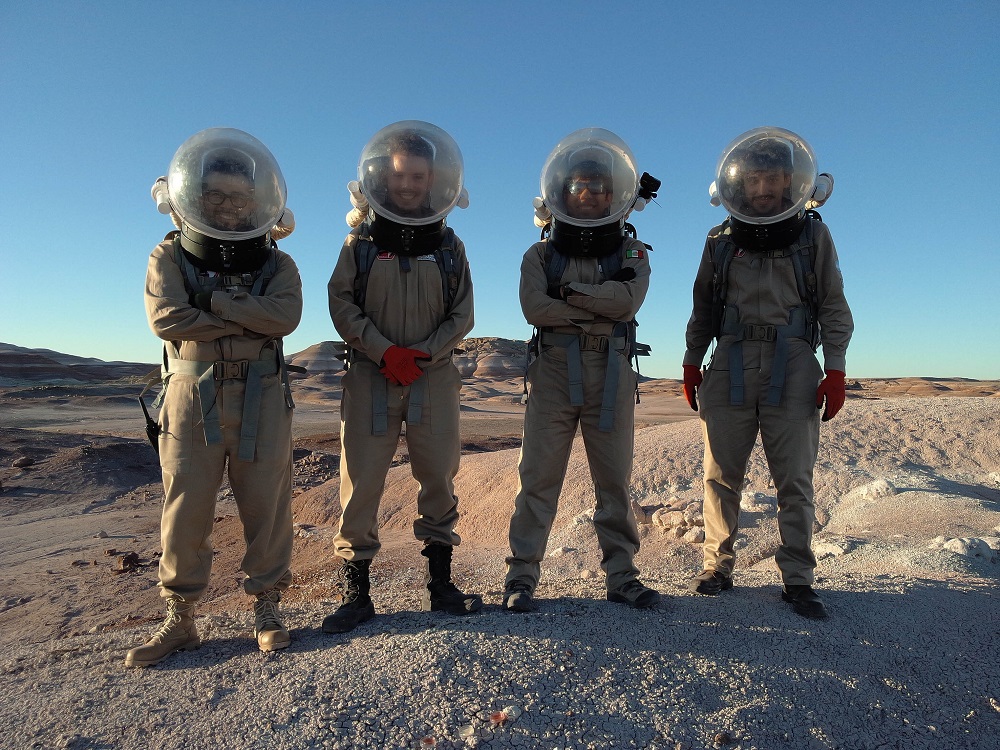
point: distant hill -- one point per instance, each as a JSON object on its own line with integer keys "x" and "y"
{"x": 317, "y": 359}
{"x": 484, "y": 357}
{"x": 19, "y": 365}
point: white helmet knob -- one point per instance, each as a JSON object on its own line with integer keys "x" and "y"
{"x": 713, "y": 193}
{"x": 823, "y": 191}
{"x": 161, "y": 195}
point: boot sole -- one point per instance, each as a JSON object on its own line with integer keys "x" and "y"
{"x": 189, "y": 646}
{"x": 641, "y": 602}
{"x": 514, "y": 603}
{"x": 711, "y": 588}
{"x": 276, "y": 646}
{"x": 333, "y": 626}
{"x": 469, "y": 606}
{"x": 815, "y": 611}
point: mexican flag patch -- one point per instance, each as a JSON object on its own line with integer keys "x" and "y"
{"x": 634, "y": 253}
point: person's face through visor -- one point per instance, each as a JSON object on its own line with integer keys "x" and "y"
{"x": 588, "y": 197}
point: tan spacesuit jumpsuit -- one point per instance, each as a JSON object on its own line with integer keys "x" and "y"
{"x": 407, "y": 309}
{"x": 551, "y": 419}
{"x": 206, "y": 418}
{"x": 763, "y": 288}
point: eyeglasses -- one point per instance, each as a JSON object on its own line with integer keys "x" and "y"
{"x": 217, "y": 198}
{"x": 593, "y": 186}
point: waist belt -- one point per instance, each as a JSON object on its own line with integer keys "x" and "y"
{"x": 209, "y": 374}
{"x": 576, "y": 343}
{"x": 797, "y": 328}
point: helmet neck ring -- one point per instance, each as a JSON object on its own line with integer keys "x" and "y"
{"x": 586, "y": 242}
{"x": 403, "y": 239}
{"x": 758, "y": 238}
{"x": 211, "y": 254}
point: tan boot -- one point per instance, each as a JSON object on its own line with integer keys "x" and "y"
{"x": 177, "y": 633}
{"x": 268, "y": 629}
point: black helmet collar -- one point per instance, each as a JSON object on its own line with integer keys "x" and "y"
{"x": 211, "y": 254}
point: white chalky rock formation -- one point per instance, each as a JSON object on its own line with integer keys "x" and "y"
{"x": 874, "y": 490}
{"x": 966, "y": 546}
{"x": 758, "y": 502}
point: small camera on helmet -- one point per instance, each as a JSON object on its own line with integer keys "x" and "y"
{"x": 648, "y": 185}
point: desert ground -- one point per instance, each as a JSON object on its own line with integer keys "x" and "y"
{"x": 907, "y": 536}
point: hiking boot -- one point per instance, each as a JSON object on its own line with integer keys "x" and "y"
{"x": 268, "y": 629}
{"x": 440, "y": 594}
{"x": 517, "y": 597}
{"x": 177, "y": 633}
{"x": 710, "y": 583}
{"x": 635, "y": 594}
{"x": 804, "y": 601}
{"x": 357, "y": 604}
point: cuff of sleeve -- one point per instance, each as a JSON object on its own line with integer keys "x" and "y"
{"x": 693, "y": 358}
{"x": 221, "y": 305}
{"x": 378, "y": 352}
{"x": 835, "y": 363}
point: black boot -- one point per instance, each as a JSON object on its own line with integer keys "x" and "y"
{"x": 804, "y": 601}
{"x": 357, "y": 606}
{"x": 440, "y": 594}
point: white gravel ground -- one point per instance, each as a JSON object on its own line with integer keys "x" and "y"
{"x": 902, "y": 663}
{"x": 908, "y": 501}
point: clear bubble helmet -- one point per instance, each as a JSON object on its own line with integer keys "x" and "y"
{"x": 225, "y": 184}
{"x": 411, "y": 172}
{"x": 590, "y": 179}
{"x": 766, "y": 176}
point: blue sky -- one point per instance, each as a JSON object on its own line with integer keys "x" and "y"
{"x": 900, "y": 101}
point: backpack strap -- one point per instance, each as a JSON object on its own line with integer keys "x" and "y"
{"x": 803, "y": 261}
{"x": 722, "y": 257}
{"x": 265, "y": 273}
{"x": 192, "y": 283}
{"x": 611, "y": 264}
{"x": 447, "y": 263}
{"x": 555, "y": 264}
{"x": 364, "y": 257}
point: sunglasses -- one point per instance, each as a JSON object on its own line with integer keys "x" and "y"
{"x": 593, "y": 186}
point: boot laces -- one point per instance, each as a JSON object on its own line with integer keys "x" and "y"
{"x": 176, "y": 609}
{"x": 353, "y": 573}
{"x": 266, "y": 612}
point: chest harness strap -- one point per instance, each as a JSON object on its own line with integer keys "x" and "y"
{"x": 210, "y": 374}
{"x": 801, "y": 320}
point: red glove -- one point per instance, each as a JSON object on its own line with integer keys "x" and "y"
{"x": 400, "y": 365}
{"x": 834, "y": 391}
{"x": 692, "y": 380}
